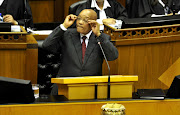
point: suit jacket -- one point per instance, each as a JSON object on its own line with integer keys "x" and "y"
{"x": 16, "y": 9}
{"x": 68, "y": 43}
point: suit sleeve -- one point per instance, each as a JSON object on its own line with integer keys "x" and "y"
{"x": 110, "y": 50}
{"x": 53, "y": 42}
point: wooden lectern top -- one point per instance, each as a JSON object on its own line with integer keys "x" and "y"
{"x": 94, "y": 79}
{"x": 14, "y": 37}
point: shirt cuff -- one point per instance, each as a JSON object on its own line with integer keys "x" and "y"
{"x": 179, "y": 12}
{"x": 62, "y": 27}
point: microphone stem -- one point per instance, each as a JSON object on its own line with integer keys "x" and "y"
{"x": 25, "y": 15}
{"x": 109, "y": 82}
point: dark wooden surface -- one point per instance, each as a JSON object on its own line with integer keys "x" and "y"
{"x": 52, "y": 10}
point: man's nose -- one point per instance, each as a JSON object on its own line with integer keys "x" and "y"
{"x": 81, "y": 22}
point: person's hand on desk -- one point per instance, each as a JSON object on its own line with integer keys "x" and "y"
{"x": 109, "y": 21}
{"x": 172, "y": 14}
{"x": 169, "y": 14}
{"x": 9, "y": 18}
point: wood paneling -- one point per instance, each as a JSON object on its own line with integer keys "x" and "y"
{"x": 12, "y": 63}
{"x": 52, "y": 10}
{"x": 42, "y": 11}
{"x": 59, "y": 10}
{"x": 67, "y": 3}
{"x": 133, "y": 107}
{"x": 147, "y": 57}
{"x": 19, "y": 60}
{"x": 123, "y": 2}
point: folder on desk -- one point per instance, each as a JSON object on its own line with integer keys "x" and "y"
{"x": 5, "y": 27}
{"x": 151, "y": 94}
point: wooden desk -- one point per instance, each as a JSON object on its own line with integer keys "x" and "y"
{"x": 133, "y": 107}
{"x": 147, "y": 52}
{"x": 18, "y": 56}
{"x": 39, "y": 37}
{"x": 121, "y": 86}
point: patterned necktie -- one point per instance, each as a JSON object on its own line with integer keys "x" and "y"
{"x": 83, "y": 47}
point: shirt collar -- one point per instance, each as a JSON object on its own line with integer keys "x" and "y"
{"x": 94, "y": 4}
{"x": 87, "y": 35}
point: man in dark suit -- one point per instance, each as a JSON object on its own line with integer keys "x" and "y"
{"x": 13, "y": 12}
{"x": 70, "y": 43}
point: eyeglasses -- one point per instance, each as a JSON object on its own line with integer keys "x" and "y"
{"x": 84, "y": 20}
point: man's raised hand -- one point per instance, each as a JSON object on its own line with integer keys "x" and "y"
{"x": 95, "y": 26}
{"x": 69, "y": 20}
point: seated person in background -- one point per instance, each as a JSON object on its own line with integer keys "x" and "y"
{"x": 13, "y": 12}
{"x": 81, "y": 54}
{"x": 152, "y": 8}
{"x": 107, "y": 10}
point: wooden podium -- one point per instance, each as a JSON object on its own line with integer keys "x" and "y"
{"x": 84, "y": 87}
{"x": 18, "y": 55}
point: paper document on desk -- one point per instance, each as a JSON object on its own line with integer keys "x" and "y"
{"x": 118, "y": 24}
{"x": 15, "y": 28}
{"x": 40, "y": 32}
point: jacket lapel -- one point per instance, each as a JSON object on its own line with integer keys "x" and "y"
{"x": 77, "y": 44}
{"x": 90, "y": 47}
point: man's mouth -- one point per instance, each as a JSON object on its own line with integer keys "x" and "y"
{"x": 79, "y": 27}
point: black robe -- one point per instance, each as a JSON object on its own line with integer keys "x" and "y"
{"x": 144, "y": 8}
{"x": 176, "y": 5}
{"x": 16, "y": 9}
{"x": 116, "y": 11}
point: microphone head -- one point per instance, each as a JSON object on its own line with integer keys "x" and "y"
{"x": 98, "y": 41}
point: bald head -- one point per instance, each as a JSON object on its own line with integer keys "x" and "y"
{"x": 89, "y": 13}
{"x": 82, "y": 24}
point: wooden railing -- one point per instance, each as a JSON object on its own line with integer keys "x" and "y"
{"x": 142, "y": 32}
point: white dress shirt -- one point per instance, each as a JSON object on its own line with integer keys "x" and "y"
{"x": 62, "y": 27}
{"x": 102, "y": 14}
{"x": 1, "y": 1}
{"x": 87, "y": 39}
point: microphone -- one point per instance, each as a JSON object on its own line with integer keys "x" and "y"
{"x": 108, "y": 88}
{"x": 25, "y": 15}
{"x": 174, "y": 10}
